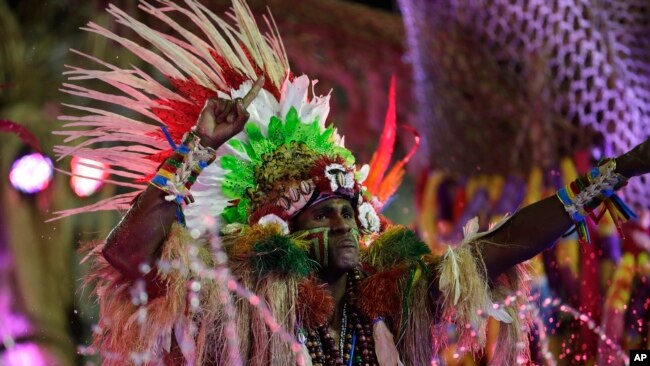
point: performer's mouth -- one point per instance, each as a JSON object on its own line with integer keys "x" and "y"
{"x": 346, "y": 243}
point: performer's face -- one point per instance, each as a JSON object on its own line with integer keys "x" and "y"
{"x": 338, "y": 215}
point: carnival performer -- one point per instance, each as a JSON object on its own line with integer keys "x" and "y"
{"x": 253, "y": 161}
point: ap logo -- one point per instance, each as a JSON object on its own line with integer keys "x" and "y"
{"x": 639, "y": 357}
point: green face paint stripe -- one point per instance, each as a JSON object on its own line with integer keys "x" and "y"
{"x": 323, "y": 248}
{"x": 357, "y": 236}
{"x": 320, "y": 247}
{"x": 319, "y": 242}
{"x": 319, "y": 239}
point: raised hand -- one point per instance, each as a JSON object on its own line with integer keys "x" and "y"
{"x": 635, "y": 162}
{"x": 138, "y": 237}
{"x": 222, "y": 119}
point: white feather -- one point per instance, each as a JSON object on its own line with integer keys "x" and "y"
{"x": 385, "y": 348}
{"x": 499, "y": 314}
{"x": 451, "y": 283}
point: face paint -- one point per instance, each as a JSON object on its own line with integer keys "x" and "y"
{"x": 357, "y": 235}
{"x": 319, "y": 243}
{"x": 319, "y": 240}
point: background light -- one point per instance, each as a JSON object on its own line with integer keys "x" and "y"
{"x": 23, "y": 354}
{"x": 31, "y": 173}
{"x": 88, "y": 176}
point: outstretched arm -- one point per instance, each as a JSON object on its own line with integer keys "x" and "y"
{"x": 536, "y": 227}
{"x": 136, "y": 241}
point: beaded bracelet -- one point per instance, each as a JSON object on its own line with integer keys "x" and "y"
{"x": 179, "y": 172}
{"x": 582, "y": 196}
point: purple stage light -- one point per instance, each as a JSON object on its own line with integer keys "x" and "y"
{"x": 31, "y": 173}
{"x": 23, "y": 354}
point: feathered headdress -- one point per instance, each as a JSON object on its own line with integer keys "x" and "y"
{"x": 286, "y": 157}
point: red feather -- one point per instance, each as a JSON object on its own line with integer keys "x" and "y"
{"x": 381, "y": 158}
{"x": 192, "y": 91}
{"x": 20, "y": 131}
{"x": 179, "y": 116}
{"x": 315, "y": 304}
{"x": 380, "y": 184}
{"x": 268, "y": 210}
{"x": 234, "y": 78}
{"x": 317, "y": 172}
{"x": 378, "y": 295}
{"x": 393, "y": 179}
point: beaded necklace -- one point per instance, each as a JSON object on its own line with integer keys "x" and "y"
{"x": 344, "y": 325}
{"x": 356, "y": 338}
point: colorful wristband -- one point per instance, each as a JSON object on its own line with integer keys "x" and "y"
{"x": 179, "y": 172}
{"x": 582, "y": 196}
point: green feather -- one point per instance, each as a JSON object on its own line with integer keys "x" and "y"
{"x": 237, "y": 145}
{"x": 231, "y": 189}
{"x": 260, "y": 144}
{"x": 242, "y": 209}
{"x": 325, "y": 137}
{"x": 250, "y": 151}
{"x": 306, "y": 132}
{"x": 230, "y": 215}
{"x": 239, "y": 213}
{"x": 291, "y": 124}
{"x": 276, "y": 131}
{"x": 278, "y": 253}
{"x": 240, "y": 175}
{"x": 253, "y": 132}
{"x": 344, "y": 153}
{"x": 405, "y": 300}
{"x": 229, "y": 162}
{"x": 396, "y": 246}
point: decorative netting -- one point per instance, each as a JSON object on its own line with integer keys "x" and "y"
{"x": 504, "y": 85}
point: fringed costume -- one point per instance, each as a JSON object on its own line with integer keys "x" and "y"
{"x": 234, "y": 232}
{"x": 396, "y": 294}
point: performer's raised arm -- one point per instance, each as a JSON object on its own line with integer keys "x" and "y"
{"x": 133, "y": 244}
{"x": 536, "y": 227}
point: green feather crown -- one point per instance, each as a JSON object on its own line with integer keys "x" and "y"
{"x": 269, "y": 164}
